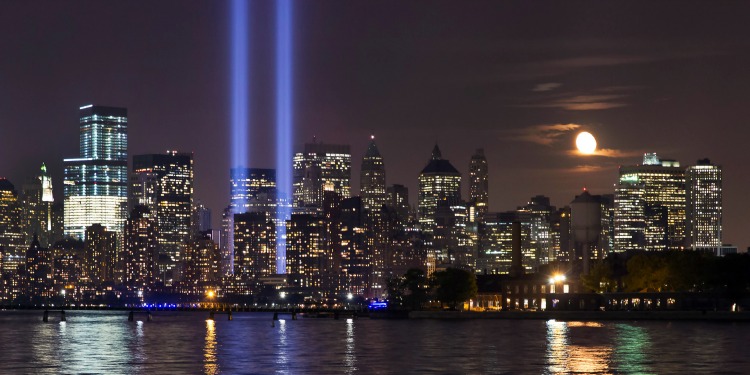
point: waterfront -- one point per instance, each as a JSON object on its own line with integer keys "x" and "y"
{"x": 186, "y": 342}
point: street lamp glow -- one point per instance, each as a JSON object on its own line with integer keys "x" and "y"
{"x": 210, "y": 294}
{"x": 349, "y": 296}
{"x": 282, "y": 295}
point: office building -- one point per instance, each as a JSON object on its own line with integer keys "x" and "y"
{"x": 95, "y": 185}
{"x": 11, "y": 235}
{"x": 316, "y": 165}
{"x": 439, "y": 185}
{"x": 140, "y": 252}
{"x": 704, "y": 199}
{"x": 478, "y": 185}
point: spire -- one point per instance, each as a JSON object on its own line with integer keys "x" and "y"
{"x": 436, "y": 154}
{"x": 372, "y": 149}
{"x": 44, "y": 169}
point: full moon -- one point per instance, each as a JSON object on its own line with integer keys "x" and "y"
{"x": 586, "y": 143}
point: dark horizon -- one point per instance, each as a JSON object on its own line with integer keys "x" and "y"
{"x": 517, "y": 79}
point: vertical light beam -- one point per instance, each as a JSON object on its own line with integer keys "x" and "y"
{"x": 239, "y": 83}
{"x": 284, "y": 120}
{"x": 239, "y": 103}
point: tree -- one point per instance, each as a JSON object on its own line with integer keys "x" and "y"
{"x": 600, "y": 278}
{"x": 646, "y": 273}
{"x": 455, "y": 286}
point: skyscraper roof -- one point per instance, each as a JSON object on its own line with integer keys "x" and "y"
{"x": 372, "y": 150}
{"x": 438, "y": 165}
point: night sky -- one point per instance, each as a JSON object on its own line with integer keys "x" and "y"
{"x": 517, "y": 78}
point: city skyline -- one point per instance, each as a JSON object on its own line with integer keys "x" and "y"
{"x": 615, "y": 90}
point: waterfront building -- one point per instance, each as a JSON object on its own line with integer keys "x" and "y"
{"x": 704, "y": 198}
{"x": 11, "y": 235}
{"x": 478, "y": 185}
{"x": 39, "y": 272}
{"x": 305, "y": 252}
{"x": 100, "y": 257}
{"x": 439, "y": 185}
{"x": 316, "y": 165}
{"x": 254, "y": 250}
{"x": 140, "y": 252}
{"x": 202, "y": 265}
{"x": 650, "y": 206}
{"x": 95, "y": 185}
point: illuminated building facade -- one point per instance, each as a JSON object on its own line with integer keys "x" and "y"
{"x": 539, "y": 211}
{"x": 140, "y": 252}
{"x": 37, "y": 202}
{"x": 95, "y": 185}
{"x": 317, "y": 165}
{"x": 11, "y": 234}
{"x": 703, "y": 183}
{"x": 357, "y": 261}
{"x": 254, "y": 249}
{"x": 202, "y": 265}
{"x": 100, "y": 259}
{"x": 479, "y": 185}
{"x": 252, "y": 190}
{"x": 662, "y": 196}
{"x": 39, "y": 271}
{"x": 439, "y": 185}
{"x": 168, "y": 193}
{"x": 372, "y": 179}
{"x": 305, "y": 251}
{"x": 496, "y": 243}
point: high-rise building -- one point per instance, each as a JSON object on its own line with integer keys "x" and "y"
{"x": 317, "y": 165}
{"x": 202, "y": 265}
{"x": 496, "y": 243}
{"x": 439, "y": 185}
{"x": 305, "y": 251}
{"x": 397, "y": 201}
{"x": 168, "y": 193}
{"x": 254, "y": 249}
{"x": 478, "y": 185}
{"x": 37, "y": 201}
{"x": 357, "y": 261}
{"x": 201, "y": 221}
{"x": 95, "y": 185}
{"x": 252, "y": 190}
{"x": 372, "y": 179}
{"x": 539, "y": 211}
{"x": 100, "y": 258}
{"x": 39, "y": 271}
{"x": 139, "y": 254}
{"x": 11, "y": 235}
{"x": 704, "y": 205}
{"x": 645, "y": 196}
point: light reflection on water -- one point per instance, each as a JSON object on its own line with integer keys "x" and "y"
{"x": 176, "y": 342}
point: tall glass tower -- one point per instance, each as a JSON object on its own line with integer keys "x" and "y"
{"x": 704, "y": 205}
{"x": 95, "y": 185}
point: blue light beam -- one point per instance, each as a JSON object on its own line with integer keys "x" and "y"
{"x": 284, "y": 120}
{"x": 239, "y": 84}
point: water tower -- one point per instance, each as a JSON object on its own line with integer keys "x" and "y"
{"x": 585, "y": 215}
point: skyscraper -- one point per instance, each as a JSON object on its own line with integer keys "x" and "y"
{"x": 95, "y": 185}
{"x": 168, "y": 193}
{"x": 252, "y": 190}
{"x": 397, "y": 200}
{"x": 439, "y": 185}
{"x": 317, "y": 165}
{"x": 254, "y": 249}
{"x": 372, "y": 179}
{"x": 100, "y": 257}
{"x": 479, "y": 184}
{"x": 704, "y": 205}
{"x": 139, "y": 254}
{"x": 11, "y": 235}
{"x": 37, "y": 201}
{"x": 660, "y": 183}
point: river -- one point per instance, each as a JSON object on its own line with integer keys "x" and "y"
{"x": 187, "y": 342}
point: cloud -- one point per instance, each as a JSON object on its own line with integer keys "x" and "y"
{"x": 608, "y": 153}
{"x": 541, "y": 134}
{"x": 548, "y": 86}
{"x": 583, "y": 102}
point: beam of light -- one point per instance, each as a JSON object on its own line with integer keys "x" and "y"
{"x": 239, "y": 84}
{"x": 284, "y": 122}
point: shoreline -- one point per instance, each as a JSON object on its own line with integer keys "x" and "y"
{"x": 717, "y": 316}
